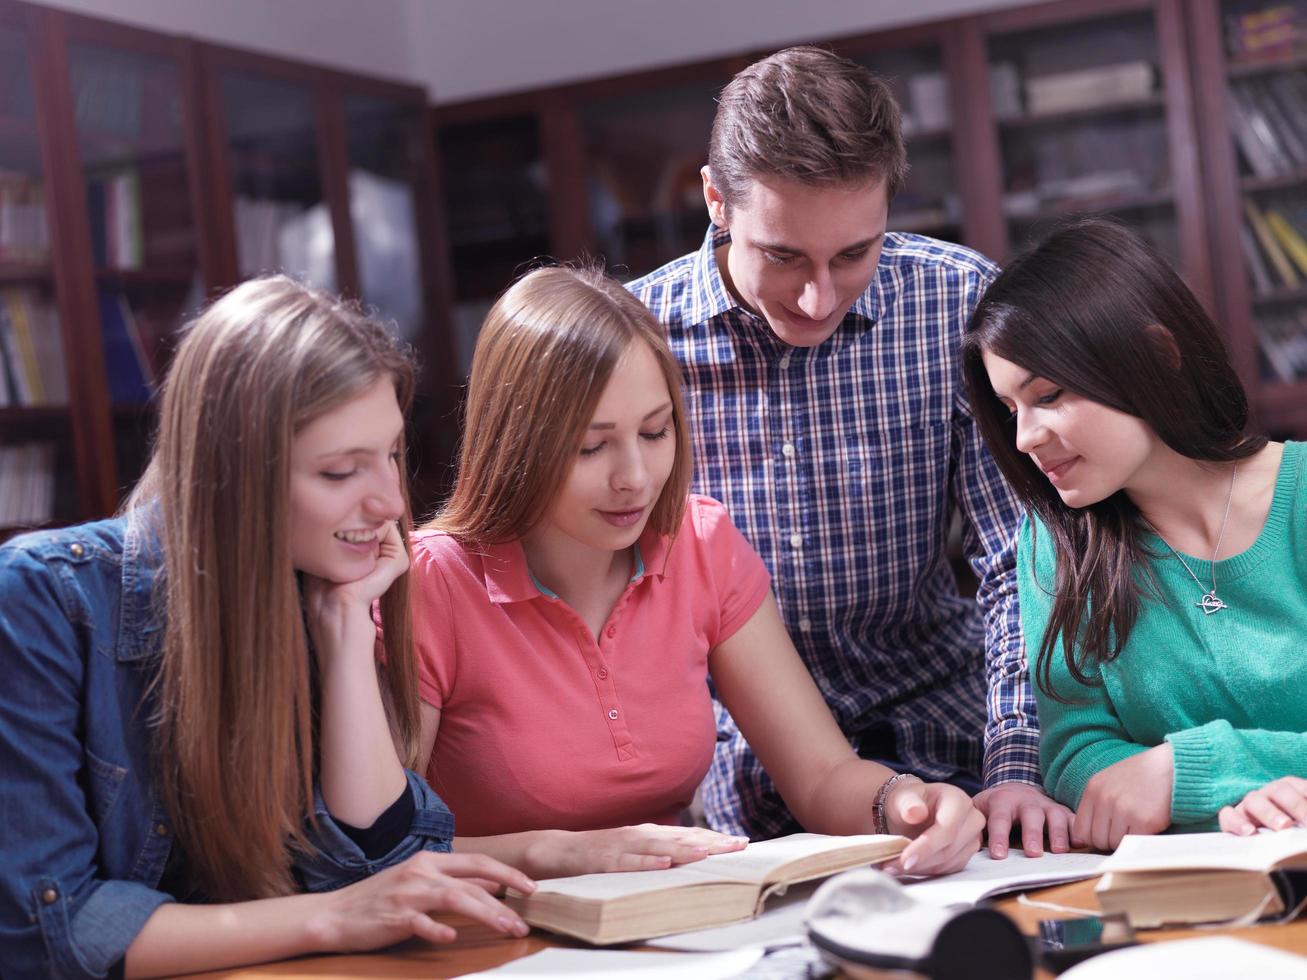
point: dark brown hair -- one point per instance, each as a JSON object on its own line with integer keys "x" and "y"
{"x": 542, "y": 360}
{"x": 808, "y": 115}
{"x": 1099, "y": 312}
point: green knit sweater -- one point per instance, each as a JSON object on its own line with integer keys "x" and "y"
{"x": 1228, "y": 691}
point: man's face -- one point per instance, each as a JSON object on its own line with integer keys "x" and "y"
{"x": 800, "y": 255}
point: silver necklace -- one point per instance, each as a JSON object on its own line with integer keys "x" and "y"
{"x": 1210, "y": 602}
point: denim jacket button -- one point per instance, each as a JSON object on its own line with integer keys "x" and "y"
{"x": 49, "y": 896}
{"x": 161, "y": 829}
{"x": 77, "y": 550}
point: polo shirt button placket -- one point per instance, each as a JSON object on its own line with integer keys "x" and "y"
{"x": 603, "y": 673}
{"x": 612, "y": 714}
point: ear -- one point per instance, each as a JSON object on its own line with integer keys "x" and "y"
{"x": 1163, "y": 342}
{"x": 713, "y": 198}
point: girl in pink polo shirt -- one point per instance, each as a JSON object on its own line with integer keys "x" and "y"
{"x": 572, "y": 601}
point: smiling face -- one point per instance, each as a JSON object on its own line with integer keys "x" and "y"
{"x": 1087, "y": 450}
{"x": 626, "y": 456}
{"x": 345, "y": 485}
{"x": 800, "y": 255}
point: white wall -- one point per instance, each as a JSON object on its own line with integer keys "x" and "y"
{"x": 463, "y": 49}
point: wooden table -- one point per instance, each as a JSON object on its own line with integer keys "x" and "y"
{"x": 478, "y": 948}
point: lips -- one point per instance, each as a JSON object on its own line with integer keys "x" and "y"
{"x": 622, "y": 518}
{"x": 1056, "y": 472}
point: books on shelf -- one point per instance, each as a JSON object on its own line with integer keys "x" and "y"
{"x": 1189, "y": 878}
{"x": 114, "y": 208}
{"x": 928, "y": 106}
{"x": 126, "y": 361}
{"x": 32, "y": 366}
{"x": 1270, "y": 244}
{"x": 626, "y": 906}
{"x": 1268, "y": 118}
{"x": 26, "y": 484}
{"x": 1274, "y": 30}
{"x": 24, "y": 230}
{"x": 1282, "y": 338}
{"x": 1087, "y": 88}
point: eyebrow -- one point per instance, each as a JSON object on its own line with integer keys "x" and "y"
{"x": 613, "y": 425}
{"x": 788, "y": 250}
{"x": 358, "y": 450}
{"x": 1030, "y": 379}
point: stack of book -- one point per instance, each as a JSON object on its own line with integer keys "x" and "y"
{"x": 1270, "y": 32}
{"x": 1087, "y": 88}
{"x": 1274, "y": 246}
{"x": 24, "y": 232}
{"x": 1268, "y": 116}
{"x": 26, "y": 485}
{"x": 114, "y": 207}
{"x": 32, "y": 367}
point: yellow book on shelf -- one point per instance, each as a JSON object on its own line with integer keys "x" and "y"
{"x": 1293, "y": 243}
{"x": 26, "y": 342}
{"x": 1270, "y": 244}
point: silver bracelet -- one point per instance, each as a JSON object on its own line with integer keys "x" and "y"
{"x": 882, "y": 797}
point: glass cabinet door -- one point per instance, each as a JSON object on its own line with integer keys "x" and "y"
{"x": 282, "y": 218}
{"x": 130, "y": 118}
{"x": 385, "y": 161}
{"x": 38, "y": 477}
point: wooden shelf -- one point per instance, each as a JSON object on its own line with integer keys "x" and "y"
{"x": 145, "y": 277}
{"x": 1246, "y": 69}
{"x": 1119, "y": 205}
{"x": 1278, "y": 182}
{"x": 1282, "y": 295}
{"x": 1154, "y": 103}
{"x": 33, "y": 414}
{"x": 19, "y": 272}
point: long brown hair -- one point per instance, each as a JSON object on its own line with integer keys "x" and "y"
{"x": 544, "y": 355}
{"x": 235, "y": 723}
{"x": 1096, "y": 310}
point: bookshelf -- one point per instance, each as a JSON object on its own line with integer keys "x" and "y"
{"x": 1255, "y": 155}
{"x": 140, "y": 174}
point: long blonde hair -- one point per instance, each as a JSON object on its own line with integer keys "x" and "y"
{"x": 542, "y": 360}
{"x": 236, "y": 714}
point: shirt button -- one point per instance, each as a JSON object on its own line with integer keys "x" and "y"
{"x": 161, "y": 829}
{"x": 805, "y": 624}
{"x": 603, "y": 673}
{"x": 796, "y": 540}
{"x": 77, "y": 550}
{"x": 787, "y": 450}
{"x": 612, "y": 713}
{"x": 611, "y": 631}
{"x": 49, "y": 896}
{"x": 785, "y": 361}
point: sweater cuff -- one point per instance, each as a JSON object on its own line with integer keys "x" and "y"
{"x": 1194, "y": 764}
{"x": 1069, "y": 785}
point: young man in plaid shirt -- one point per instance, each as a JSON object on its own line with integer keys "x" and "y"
{"x": 827, "y": 413}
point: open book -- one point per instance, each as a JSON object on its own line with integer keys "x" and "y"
{"x": 1184, "y": 878}
{"x": 625, "y": 906}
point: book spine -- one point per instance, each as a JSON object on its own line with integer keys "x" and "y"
{"x": 1265, "y": 238}
{"x": 1293, "y": 244}
{"x": 1261, "y": 275}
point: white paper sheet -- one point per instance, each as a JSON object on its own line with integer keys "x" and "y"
{"x": 560, "y": 964}
{"x": 1215, "y": 958}
{"x": 781, "y": 924}
{"x": 984, "y": 877}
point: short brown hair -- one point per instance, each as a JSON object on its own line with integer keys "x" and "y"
{"x": 809, "y": 115}
{"x": 542, "y": 360}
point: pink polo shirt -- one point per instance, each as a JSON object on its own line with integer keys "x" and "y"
{"x": 544, "y": 727}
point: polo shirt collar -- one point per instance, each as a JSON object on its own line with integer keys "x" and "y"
{"x": 509, "y": 579}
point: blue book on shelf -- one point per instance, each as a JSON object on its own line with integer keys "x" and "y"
{"x": 128, "y": 384}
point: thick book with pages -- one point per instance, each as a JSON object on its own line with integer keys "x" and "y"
{"x": 626, "y": 906}
{"x": 1187, "y": 878}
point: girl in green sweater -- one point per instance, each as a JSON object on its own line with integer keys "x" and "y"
{"x": 1162, "y": 571}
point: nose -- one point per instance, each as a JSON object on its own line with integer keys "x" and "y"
{"x": 1031, "y": 433}
{"x": 385, "y": 502}
{"x": 818, "y": 297}
{"x": 629, "y": 471}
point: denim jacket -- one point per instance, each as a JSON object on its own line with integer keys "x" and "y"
{"x": 85, "y": 836}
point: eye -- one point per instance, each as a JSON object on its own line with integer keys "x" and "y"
{"x": 1051, "y": 397}
{"x": 654, "y": 436}
{"x": 775, "y": 258}
{"x": 337, "y": 477}
{"x": 591, "y": 450}
{"x": 857, "y": 255}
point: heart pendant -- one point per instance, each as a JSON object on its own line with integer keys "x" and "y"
{"x": 1210, "y": 604}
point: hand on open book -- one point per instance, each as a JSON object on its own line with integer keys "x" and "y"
{"x": 1132, "y": 796}
{"x": 398, "y": 903}
{"x": 945, "y": 825}
{"x": 644, "y": 847}
{"x": 1021, "y": 803}
{"x": 1278, "y": 805}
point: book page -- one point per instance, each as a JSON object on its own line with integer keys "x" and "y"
{"x": 560, "y": 964}
{"x": 984, "y": 877}
{"x": 1194, "y": 852}
{"x": 780, "y": 924}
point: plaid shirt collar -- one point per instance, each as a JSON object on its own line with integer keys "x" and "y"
{"x": 711, "y": 297}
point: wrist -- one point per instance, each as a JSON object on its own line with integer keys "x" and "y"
{"x": 541, "y": 855}
{"x": 320, "y": 926}
{"x": 880, "y": 807}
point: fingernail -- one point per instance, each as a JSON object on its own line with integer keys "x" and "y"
{"x": 909, "y": 863}
{"x": 508, "y": 923}
{"x": 998, "y": 851}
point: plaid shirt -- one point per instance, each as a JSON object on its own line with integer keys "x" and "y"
{"x": 842, "y": 464}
